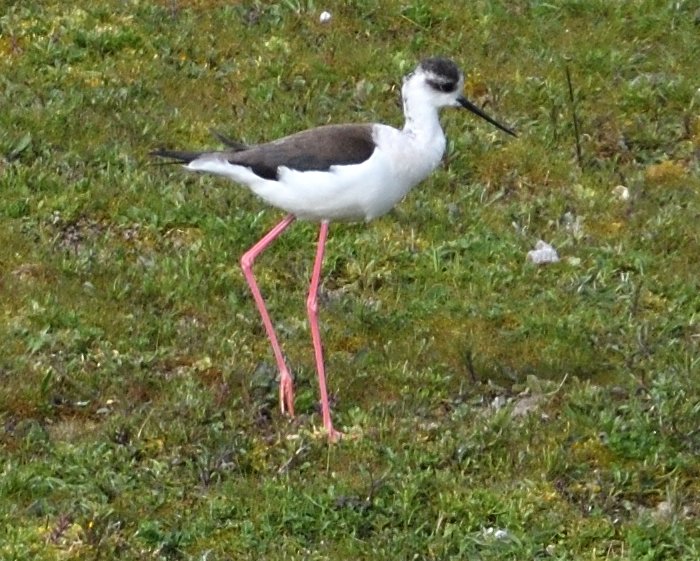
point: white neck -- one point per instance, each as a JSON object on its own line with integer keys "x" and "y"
{"x": 422, "y": 120}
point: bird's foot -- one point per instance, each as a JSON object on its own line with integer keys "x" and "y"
{"x": 334, "y": 435}
{"x": 286, "y": 393}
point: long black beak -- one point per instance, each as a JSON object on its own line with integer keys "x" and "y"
{"x": 464, "y": 102}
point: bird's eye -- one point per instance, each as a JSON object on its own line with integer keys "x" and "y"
{"x": 444, "y": 87}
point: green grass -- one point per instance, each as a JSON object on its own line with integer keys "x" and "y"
{"x": 498, "y": 410}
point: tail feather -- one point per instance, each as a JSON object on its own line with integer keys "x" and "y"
{"x": 233, "y": 144}
{"x": 177, "y": 155}
{"x": 185, "y": 157}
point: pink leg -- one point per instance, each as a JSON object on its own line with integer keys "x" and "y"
{"x": 312, "y": 308}
{"x": 247, "y": 260}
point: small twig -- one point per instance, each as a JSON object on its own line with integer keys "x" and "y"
{"x": 148, "y": 416}
{"x": 62, "y": 525}
{"x": 559, "y": 387}
{"x": 286, "y": 465}
{"x": 634, "y": 306}
{"x": 374, "y": 486}
{"x": 577, "y": 135}
{"x": 469, "y": 363}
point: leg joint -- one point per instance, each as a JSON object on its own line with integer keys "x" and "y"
{"x": 247, "y": 260}
{"x": 312, "y": 304}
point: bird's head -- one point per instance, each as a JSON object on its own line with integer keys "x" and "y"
{"x": 439, "y": 82}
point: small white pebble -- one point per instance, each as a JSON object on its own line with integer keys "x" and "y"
{"x": 496, "y": 533}
{"x": 573, "y": 224}
{"x": 663, "y": 511}
{"x": 543, "y": 253}
{"x": 498, "y": 402}
{"x": 325, "y": 17}
{"x": 621, "y": 192}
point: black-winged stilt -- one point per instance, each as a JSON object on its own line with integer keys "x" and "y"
{"x": 338, "y": 172}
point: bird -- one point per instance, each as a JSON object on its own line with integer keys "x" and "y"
{"x": 337, "y": 172}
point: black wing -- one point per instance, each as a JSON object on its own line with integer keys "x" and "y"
{"x": 311, "y": 150}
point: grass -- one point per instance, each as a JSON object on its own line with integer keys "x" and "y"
{"x": 498, "y": 410}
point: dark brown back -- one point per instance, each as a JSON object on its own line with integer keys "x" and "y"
{"x": 310, "y": 150}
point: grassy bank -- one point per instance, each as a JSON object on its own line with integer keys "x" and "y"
{"x": 496, "y": 409}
